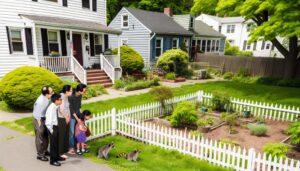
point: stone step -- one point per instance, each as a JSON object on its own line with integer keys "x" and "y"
{"x": 96, "y": 75}
{"x": 97, "y": 78}
{"x": 95, "y": 71}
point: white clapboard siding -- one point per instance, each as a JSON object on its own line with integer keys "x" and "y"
{"x": 9, "y": 16}
{"x": 137, "y": 34}
{"x": 183, "y": 20}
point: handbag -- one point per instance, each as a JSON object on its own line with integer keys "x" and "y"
{"x": 88, "y": 132}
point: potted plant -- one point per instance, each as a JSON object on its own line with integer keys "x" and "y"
{"x": 54, "y": 54}
{"x": 203, "y": 109}
{"x": 204, "y": 125}
{"x": 246, "y": 113}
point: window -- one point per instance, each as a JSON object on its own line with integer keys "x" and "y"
{"x": 254, "y": 45}
{"x": 217, "y": 45}
{"x": 203, "y": 45}
{"x": 230, "y": 28}
{"x": 158, "y": 46}
{"x": 16, "y": 40}
{"x": 213, "y": 45}
{"x": 263, "y": 46}
{"x": 192, "y": 22}
{"x": 268, "y": 46}
{"x": 124, "y": 42}
{"x": 98, "y": 44}
{"x": 245, "y": 44}
{"x": 208, "y": 45}
{"x": 220, "y": 29}
{"x": 175, "y": 43}
{"x": 248, "y": 27}
{"x": 86, "y": 4}
{"x": 248, "y": 46}
{"x": 125, "y": 23}
{"x": 53, "y": 41}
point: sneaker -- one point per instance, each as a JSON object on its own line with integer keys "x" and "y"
{"x": 84, "y": 151}
{"x": 64, "y": 156}
{"x": 78, "y": 152}
{"x": 71, "y": 151}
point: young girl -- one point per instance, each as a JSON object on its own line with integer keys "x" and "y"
{"x": 80, "y": 131}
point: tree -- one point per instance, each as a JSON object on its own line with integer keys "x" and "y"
{"x": 204, "y": 6}
{"x": 274, "y": 18}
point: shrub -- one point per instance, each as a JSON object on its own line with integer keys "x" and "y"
{"x": 205, "y": 122}
{"x": 161, "y": 94}
{"x": 131, "y": 61}
{"x": 231, "y": 50}
{"x": 257, "y": 129}
{"x": 94, "y": 91}
{"x": 230, "y": 118}
{"x": 243, "y": 72}
{"x": 142, "y": 84}
{"x": 276, "y": 149}
{"x": 174, "y": 60}
{"x": 228, "y": 75}
{"x": 278, "y": 82}
{"x": 184, "y": 114}
{"x": 294, "y": 131}
{"x": 170, "y": 76}
{"x": 245, "y": 53}
{"x": 188, "y": 73}
{"x": 119, "y": 84}
{"x": 21, "y": 87}
{"x": 220, "y": 103}
{"x": 183, "y": 47}
{"x": 214, "y": 72}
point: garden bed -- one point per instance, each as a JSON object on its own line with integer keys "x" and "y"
{"x": 177, "y": 80}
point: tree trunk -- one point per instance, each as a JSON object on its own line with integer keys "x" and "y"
{"x": 291, "y": 60}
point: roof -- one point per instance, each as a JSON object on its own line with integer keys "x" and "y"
{"x": 158, "y": 22}
{"x": 227, "y": 19}
{"x": 70, "y": 23}
{"x": 202, "y": 29}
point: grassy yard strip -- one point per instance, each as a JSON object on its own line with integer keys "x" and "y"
{"x": 1, "y": 169}
{"x": 24, "y": 125}
{"x": 151, "y": 157}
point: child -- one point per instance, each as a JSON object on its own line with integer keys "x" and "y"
{"x": 80, "y": 131}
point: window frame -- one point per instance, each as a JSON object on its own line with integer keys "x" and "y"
{"x": 192, "y": 21}
{"x": 177, "y": 43}
{"x": 21, "y": 30}
{"x": 213, "y": 45}
{"x": 217, "y": 45}
{"x": 101, "y": 43}
{"x": 52, "y": 42}
{"x": 122, "y": 21}
{"x": 220, "y": 28}
{"x": 161, "y": 46}
{"x": 268, "y": 46}
{"x": 89, "y": 8}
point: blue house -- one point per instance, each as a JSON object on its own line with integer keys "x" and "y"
{"x": 149, "y": 33}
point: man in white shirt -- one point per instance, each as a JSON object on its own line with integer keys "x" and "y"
{"x": 41, "y": 134}
{"x": 52, "y": 126}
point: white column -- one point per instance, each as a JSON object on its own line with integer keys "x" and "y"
{"x": 119, "y": 49}
{"x": 71, "y": 51}
{"x": 35, "y": 48}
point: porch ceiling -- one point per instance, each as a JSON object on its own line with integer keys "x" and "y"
{"x": 70, "y": 23}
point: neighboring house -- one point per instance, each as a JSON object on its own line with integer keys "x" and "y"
{"x": 237, "y": 30}
{"x": 205, "y": 38}
{"x": 64, "y": 36}
{"x": 149, "y": 33}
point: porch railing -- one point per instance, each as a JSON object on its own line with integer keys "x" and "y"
{"x": 56, "y": 64}
{"x": 78, "y": 70}
{"x": 111, "y": 67}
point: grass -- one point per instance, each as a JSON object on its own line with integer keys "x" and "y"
{"x": 264, "y": 93}
{"x": 24, "y": 125}
{"x": 151, "y": 157}
{"x": 1, "y": 169}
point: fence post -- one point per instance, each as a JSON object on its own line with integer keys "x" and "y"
{"x": 200, "y": 96}
{"x": 113, "y": 122}
{"x": 251, "y": 161}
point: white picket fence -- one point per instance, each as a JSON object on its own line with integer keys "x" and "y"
{"x": 129, "y": 122}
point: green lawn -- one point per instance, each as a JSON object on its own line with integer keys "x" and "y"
{"x": 275, "y": 94}
{"x": 1, "y": 169}
{"x": 151, "y": 157}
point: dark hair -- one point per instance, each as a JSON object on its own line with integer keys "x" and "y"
{"x": 55, "y": 97}
{"x": 86, "y": 113}
{"x": 45, "y": 90}
{"x": 80, "y": 87}
{"x": 66, "y": 88}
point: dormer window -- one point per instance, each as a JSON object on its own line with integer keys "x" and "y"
{"x": 192, "y": 22}
{"x": 124, "y": 21}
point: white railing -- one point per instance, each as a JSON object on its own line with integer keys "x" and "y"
{"x": 56, "y": 64}
{"x": 114, "y": 60}
{"x": 112, "y": 71}
{"x": 78, "y": 70}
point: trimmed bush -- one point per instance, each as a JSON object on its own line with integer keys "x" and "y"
{"x": 276, "y": 149}
{"x": 174, "y": 60}
{"x": 257, "y": 129}
{"x": 220, "y": 103}
{"x": 184, "y": 114}
{"x": 131, "y": 61}
{"x": 21, "y": 87}
{"x": 119, "y": 84}
{"x": 170, "y": 76}
{"x": 245, "y": 53}
{"x": 142, "y": 84}
{"x": 94, "y": 91}
{"x": 161, "y": 94}
{"x": 294, "y": 131}
{"x": 228, "y": 75}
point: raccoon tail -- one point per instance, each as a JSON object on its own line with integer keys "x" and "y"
{"x": 121, "y": 155}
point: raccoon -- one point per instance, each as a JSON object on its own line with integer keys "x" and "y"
{"x": 104, "y": 150}
{"x": 132, "y": 156}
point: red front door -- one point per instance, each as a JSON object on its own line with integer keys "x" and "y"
{"x": 77, "y": 48}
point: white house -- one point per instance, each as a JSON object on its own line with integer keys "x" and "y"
{"x": 64, "y": 36}
{"x": 237, "y": 30}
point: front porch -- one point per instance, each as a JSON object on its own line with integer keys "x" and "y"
{"x": 74, "y": 47}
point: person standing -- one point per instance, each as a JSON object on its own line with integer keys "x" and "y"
{"x": 64, "y": 117}
{"x": 52, "y": 126}
{"x": 39, "y": 111}
{"x": 75, "y": 106}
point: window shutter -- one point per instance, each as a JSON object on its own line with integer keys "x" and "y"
{"x": 63, "y": 42}
{"x": 28, "y": 37}
{"x": 105, "y": 41}
{"x": 245, "y": 44}
{"x": 92, "y": 44}
{"x": 65, "y": 3}
{"x": 94, "y": 5}
{"x": 45, "y": 42}
{"x": 8, "y": 40}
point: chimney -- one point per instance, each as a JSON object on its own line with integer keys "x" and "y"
{"x": 168, "y": 12}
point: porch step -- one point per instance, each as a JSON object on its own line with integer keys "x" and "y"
{"x": 98, "y": 77}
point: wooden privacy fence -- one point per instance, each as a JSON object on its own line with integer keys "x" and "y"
{"x": 130, "y": 122}
{"x": 256, "y": 66}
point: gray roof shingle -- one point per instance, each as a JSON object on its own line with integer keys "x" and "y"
{"x": 202, "y": 29}
{"x": 70, "y": 23}
{"x": 159, "y": 22}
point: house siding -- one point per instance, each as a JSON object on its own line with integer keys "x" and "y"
{"x": 183, "y": 20}
{"x": 9, "y": 15}
{"x": 137, "y": 34}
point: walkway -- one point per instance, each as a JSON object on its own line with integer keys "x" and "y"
{"x": 17, "y": 153}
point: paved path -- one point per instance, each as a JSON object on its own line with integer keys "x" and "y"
{"x": 17, "y": 153}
